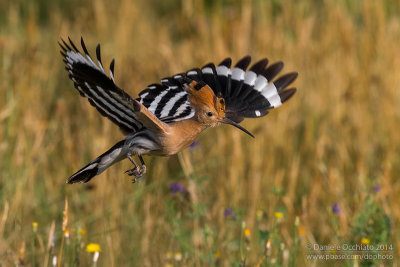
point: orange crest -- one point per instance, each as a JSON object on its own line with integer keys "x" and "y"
{"x": 202, "y": 96}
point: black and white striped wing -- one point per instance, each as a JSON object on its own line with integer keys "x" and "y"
{"x": 247, "y": 94}
{"x": 168, "y": 100}
{"x": 92, "y": 82}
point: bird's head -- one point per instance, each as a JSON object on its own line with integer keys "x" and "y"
{"x": 209, "y": 109}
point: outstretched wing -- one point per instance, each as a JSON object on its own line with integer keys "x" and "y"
{"x": 247, "y": 94}
{"x": 92, "y": 82}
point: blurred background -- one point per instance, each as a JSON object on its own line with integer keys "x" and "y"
{"x": 323, "y": 168}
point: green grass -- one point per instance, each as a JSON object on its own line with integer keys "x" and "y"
{"x": 336, "y": 141}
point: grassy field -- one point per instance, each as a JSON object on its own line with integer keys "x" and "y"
{"x": 323, "y": 169}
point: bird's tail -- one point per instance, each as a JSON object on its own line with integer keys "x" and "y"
{"x": 97, "y": 166}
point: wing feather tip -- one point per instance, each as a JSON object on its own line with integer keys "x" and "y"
{"x": 112, "y": 64}
{"x": 98, "y": 53}
{"x": 259, "y": 66}
{"x": 73, "y": 45}
{"x": 84, "y": 47}
{"x": 226, "y": 62}
{"x": 243, "y": 63}
{"x": 285, "y": 80}
{"x": 287, "y": 94}
{"x": 273, "y": 70}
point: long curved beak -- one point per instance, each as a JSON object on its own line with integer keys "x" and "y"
{"x": 228, "y": 121}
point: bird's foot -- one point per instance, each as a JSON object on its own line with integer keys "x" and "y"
{"x": 137, "y": 172}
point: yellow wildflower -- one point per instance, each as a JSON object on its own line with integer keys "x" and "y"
{"x": 217, "y": 254}
{"x": 35, "y": 226}
{"x": 365, "y": 241}
{"x": 278, "y": 215}
{"x": 93, "y": 247}
{"x": 247, "y": 232}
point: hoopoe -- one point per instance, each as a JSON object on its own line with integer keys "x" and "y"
{"x": 166, "y": 118}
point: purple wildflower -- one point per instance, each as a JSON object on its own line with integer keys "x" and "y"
{"x": 336, "y": 209}
{"x": 227, "y": 212}
{"x": 194, "y": 144}
{"x": 376, "y": 188}
{"x": 176, "y": 187}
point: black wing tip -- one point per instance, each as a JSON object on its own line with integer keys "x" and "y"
{"x": 243, "y": 63}
{"x": 65, "y": 45}
{"x": 82, "y": 176}
{"x": 112, "y": 65}
{"x": 227, "y": 62}
{"x": 84, "y": 46}
{"x": 285, "y": 80}
{"x": 259, "y": 66}
{"x": 273, "y": 70}
{"x": 287, "y": 94}
{"x": 73, "y": 45}
{"x": 61, "y": 44}
{"x": 98, "y": 52}
{"x": 293, "y": 74}
{"x": 246, "y": 58}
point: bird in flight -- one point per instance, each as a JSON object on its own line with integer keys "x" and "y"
{"x": 168, "y": 116}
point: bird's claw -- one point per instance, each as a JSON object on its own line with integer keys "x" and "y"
{"x": 137, "y": 172}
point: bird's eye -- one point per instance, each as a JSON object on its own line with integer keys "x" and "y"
{"x": 209, "y": 114}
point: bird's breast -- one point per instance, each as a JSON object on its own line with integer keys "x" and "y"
{"x": 179, "y": 136}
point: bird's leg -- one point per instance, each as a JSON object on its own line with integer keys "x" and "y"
{"x": 137, "y": 172}
{"x": 130, "y": 172}
{"x": 143, "y": 167}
